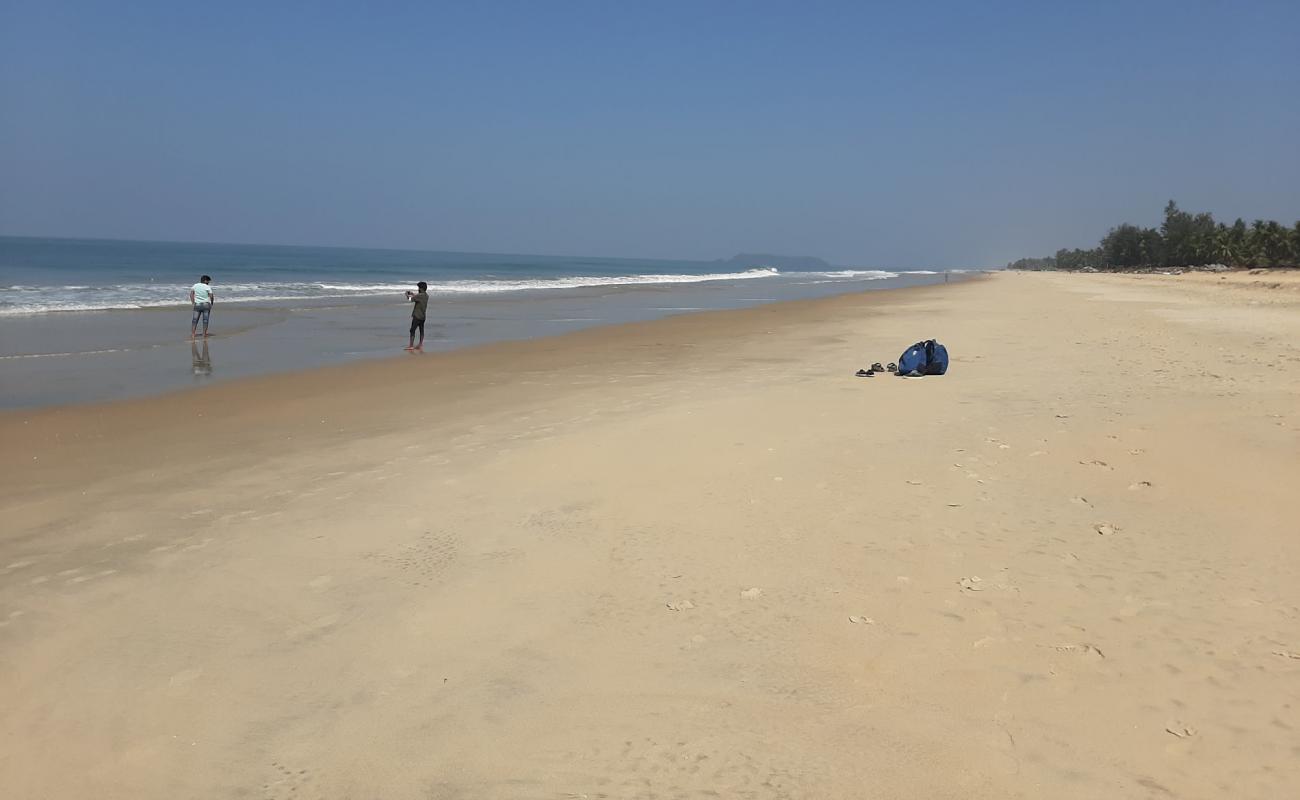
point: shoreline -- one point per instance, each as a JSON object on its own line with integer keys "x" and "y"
{"x": 138, "y": 352}
{"x": 612, "y": 561}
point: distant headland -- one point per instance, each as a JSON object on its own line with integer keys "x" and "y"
{"x": 749, "y": 260}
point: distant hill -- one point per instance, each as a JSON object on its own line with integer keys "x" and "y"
{"x": 750, "y": 260}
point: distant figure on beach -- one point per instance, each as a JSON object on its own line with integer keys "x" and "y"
{"x": 418, "y": 310}
{"x": 201, "y": 298}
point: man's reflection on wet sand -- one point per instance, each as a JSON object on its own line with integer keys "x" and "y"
{"x": 201, "y": 360}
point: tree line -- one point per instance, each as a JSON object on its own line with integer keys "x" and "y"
{"x": 1182, "y": 240}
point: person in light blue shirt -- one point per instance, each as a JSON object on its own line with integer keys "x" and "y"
{"x": 201, "y": 298}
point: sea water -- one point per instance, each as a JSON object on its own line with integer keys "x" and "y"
{"x": 89, "y": 320}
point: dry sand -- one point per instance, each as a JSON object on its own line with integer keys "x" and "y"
{"x": 688, "y": 558}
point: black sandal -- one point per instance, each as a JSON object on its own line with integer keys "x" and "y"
{"x": 892, "y": 367}
{"x": 865, "y": 373}
{"x": 877, "y": 368}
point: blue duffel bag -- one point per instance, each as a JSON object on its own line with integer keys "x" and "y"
{"x": 925, "y": 358}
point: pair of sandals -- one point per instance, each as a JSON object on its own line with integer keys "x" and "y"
{"x": 867, "y": 373}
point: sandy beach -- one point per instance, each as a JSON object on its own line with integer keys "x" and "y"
{"x": 687, "y": 558}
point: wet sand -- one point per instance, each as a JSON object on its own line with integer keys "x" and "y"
{"x": 62, "y": 358}
{"x": 692, "y": 557}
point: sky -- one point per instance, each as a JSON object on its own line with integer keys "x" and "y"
{"x": 871, "y": 134}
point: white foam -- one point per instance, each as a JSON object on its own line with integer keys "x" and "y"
{"x": 584, "y": 282}
{"x": 26, "y": 300}
{"x": 861, "y": 274}
{"x": 61, "y": 355}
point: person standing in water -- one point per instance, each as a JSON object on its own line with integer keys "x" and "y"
{"x": 201, "y": 298}
{"x": 420, "y": 300}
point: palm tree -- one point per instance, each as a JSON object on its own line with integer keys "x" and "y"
{"x": 1225, "y": 251}
{"x": 1237, "y": 242}
{"x": 1256, "y": 244}
{"x": 1277, "y": 244}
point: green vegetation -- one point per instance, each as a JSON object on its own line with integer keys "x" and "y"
{"x": 1183, "y": 240}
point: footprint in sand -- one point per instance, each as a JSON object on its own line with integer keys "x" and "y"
{"x": 183, "y": 678}
{"x": 1095, "y": 463}
{"x": 286, "y": 783}
{"x": 751, "y": 593}
{"x": 313, "y": 627}
{"x": 1140, "y": 485}
{"x": 1180, "y": 729}
{"x": 972, "y": 584}
{"x": 101, "y": 574}
{"x": 1083, "y": 649}
{"x": 680, "y": 605}
{"x": 1106, "y": 529}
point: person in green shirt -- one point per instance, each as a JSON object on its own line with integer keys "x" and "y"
{"x": 201, "y": 299}
{"x": 418, "y": 310}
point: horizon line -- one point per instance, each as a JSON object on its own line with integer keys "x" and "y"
{"x": 132, "y": 240}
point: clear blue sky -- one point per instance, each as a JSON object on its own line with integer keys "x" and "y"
{"x": 892, "y": 134}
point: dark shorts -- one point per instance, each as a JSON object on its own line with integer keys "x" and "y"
{"x": 417, "y": 323}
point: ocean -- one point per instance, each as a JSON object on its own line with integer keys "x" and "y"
{"x": 91, "y": 320}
